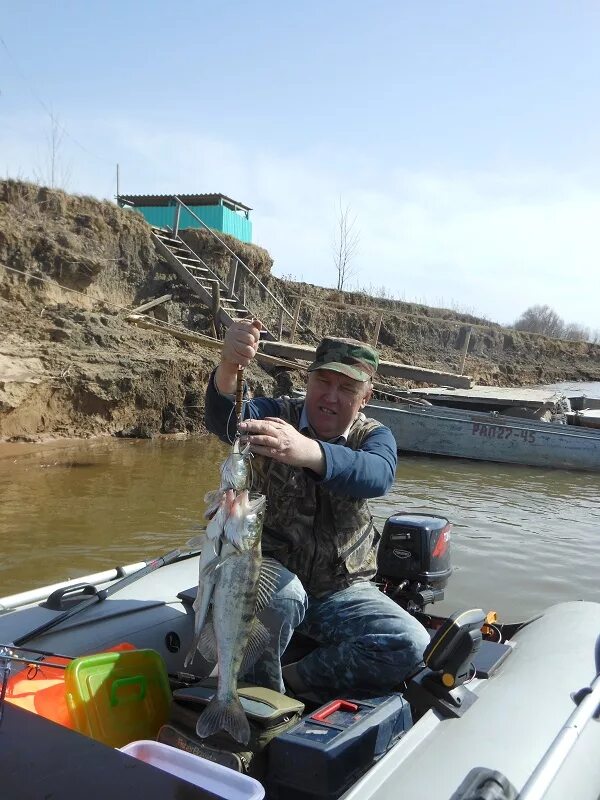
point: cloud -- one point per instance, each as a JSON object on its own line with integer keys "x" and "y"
{"x": 493, "y": 243}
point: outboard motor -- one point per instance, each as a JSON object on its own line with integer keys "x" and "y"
{"x": 413, "y": 560}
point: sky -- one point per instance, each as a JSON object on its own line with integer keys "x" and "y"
{"x": 463, "y": 137}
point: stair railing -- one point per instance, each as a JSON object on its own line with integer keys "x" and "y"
{"x": 179, "y": 204}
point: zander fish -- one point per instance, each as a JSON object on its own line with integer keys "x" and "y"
{"x": 233, "y": 635}
{"x": 235, "y": 476}
{"x": 210, "y": 542}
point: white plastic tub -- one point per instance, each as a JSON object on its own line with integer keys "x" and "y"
{"x": 219, "y": 780}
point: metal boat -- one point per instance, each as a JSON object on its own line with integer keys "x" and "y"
{"x": 488, "y": 436}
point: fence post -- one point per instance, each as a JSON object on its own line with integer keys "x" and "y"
{"x": 216, "y": 305}
{"x": 233, "y": 265}
{"x": 295, "y": 322}
{"x": 375, "y": 338}
{"x": 280, "y": 329}
{"x": 465, "y": 348}
{"x": 176, "y": 219}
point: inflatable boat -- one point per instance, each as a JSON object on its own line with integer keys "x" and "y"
{"x": 497, "y": 710}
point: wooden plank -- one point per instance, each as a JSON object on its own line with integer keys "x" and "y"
{"x": 206, "y": 341}
{"x": 274, "y": 361}
{"x": 393, "y": 391}
{"x": 492, "y": 396}
{"x": 151, "y": 304}
{"x": 295, "y": 321}
{"x": 149, "y": 324}
{"x": 303, "y": 352}
{"x": 465, "y": 349}
{"x": 409, "y": 372}
{"x": 390, "y": 368}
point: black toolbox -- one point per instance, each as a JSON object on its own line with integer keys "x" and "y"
{"x": 331, "y": 748}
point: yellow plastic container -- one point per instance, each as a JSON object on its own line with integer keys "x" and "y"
{"x": 118, "y": 698}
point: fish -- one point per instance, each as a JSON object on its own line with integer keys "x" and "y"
{"x": 210, "y": 542}
{"x": 233, "y": 635}
{"x": 235, "y": 470}
{"x": 235, "y": 477}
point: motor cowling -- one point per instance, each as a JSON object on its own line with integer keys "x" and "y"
{"x": 414, "y": 556}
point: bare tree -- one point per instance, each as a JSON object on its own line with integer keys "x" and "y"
{"x": 544, "y": 320}
{"x": 540, "y": 319}
{"x": 54, "y": 174}
{"x": 345, "y": 245}
{"x": 577, "y": 333}
{"x": 55, "y": 139}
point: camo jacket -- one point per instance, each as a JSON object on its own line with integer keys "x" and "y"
{"x": 328, "y": 540}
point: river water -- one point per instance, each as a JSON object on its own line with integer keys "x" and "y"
{"x": 523, "y": 538}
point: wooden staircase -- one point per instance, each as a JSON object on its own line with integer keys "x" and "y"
{"x": 198, "y": 276}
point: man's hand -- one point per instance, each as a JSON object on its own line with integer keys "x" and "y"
{"x": 277, "y": 439}
{"x": 239, "y": 348}
{"x": 241, "y": 342}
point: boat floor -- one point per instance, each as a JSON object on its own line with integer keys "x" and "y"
{"x": 517, "y": 714}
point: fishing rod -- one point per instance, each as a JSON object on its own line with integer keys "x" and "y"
{"x": 239, "y": 385}
{"x": 4, "y": 675}
{"x": 49, "y": 653}
{"x": 7, "y": 656}
{"x": 239, "y": 396}
{"x": 34, "y": 663}
{"x": 98, "y": 597}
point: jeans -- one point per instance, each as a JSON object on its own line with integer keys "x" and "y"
{"x": 366, "y": 642}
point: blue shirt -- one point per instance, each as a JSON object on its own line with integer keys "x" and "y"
{"x": 368, "y": 472}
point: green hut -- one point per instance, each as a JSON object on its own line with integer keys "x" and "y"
{"x": 217, "y": 211}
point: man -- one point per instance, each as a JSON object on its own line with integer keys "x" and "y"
{"x": 318, "y": 460}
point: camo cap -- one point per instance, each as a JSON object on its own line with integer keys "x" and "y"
{"x": 355, "y": 359}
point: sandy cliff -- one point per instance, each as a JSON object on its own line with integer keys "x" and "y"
{"x": 70, "y": 365}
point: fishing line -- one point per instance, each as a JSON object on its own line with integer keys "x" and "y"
{"x": 229, "y": 439}
{"x": 249, "y": 455}
{"x": 245, "y": 402}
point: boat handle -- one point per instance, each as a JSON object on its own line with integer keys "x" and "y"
{"x": 331, "y": 708}
{"x": 67, "y": 596}
{"x": 119, "y": 683}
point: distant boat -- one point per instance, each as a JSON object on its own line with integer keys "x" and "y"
{"x": 419, "y": 427}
